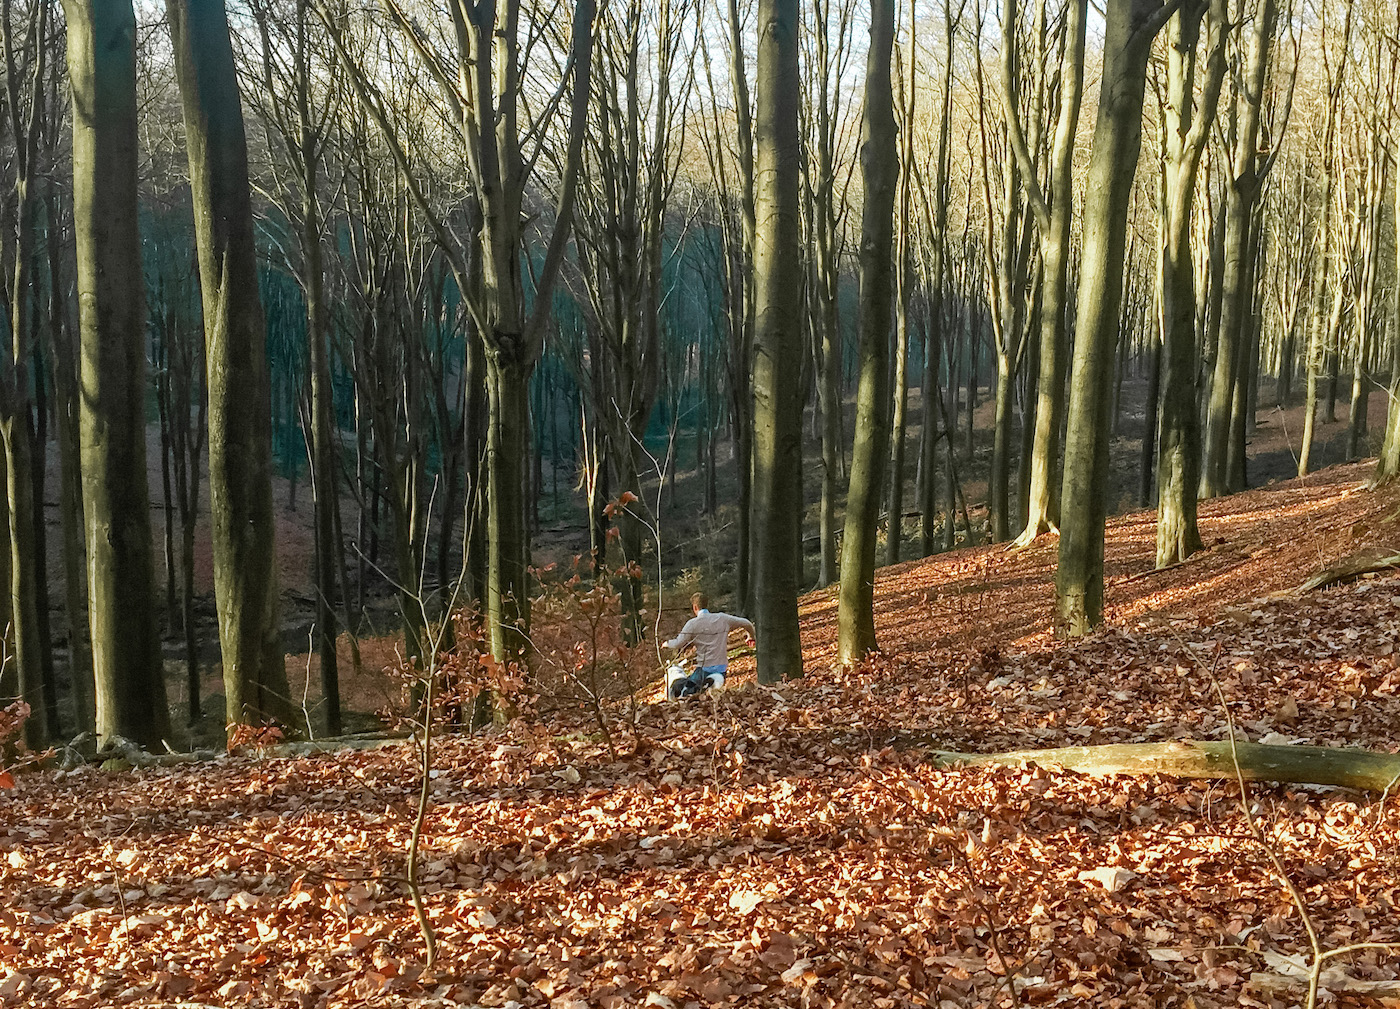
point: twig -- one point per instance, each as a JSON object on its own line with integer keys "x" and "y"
{"x": 1320, "y": 956}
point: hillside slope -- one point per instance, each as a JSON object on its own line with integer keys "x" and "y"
{"x": 790, "y": 847}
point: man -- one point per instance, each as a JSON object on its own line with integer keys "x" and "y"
{"x": 709, "y": 632}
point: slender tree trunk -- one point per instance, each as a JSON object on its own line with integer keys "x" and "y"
{"x": 507, "y": 597}
{"x": 826, "y": 283}
{"x": 240, "y": 430}
{"x": 70, "y": 480}
{"x": 903, "y": 284}
{"x": 1043, "y": 500}
{"x": 126, "y": 646}
{"x": 934, "y": 337}
{"x": 324, "y": 485}
{"x": 1246, "y": 375}
{"x": 743, "y": 280}
{"x": 829, "y": 389}
{"x": 880, "y": 171}
{"x": 1218, "y": 476}
{"x": 161, "y": 360}
{"x": 1377, "y": 163}
{"x": 999, "y": 480}
{"x": 1388, "y": 464}
{"x": 39, "y": 465}
{"x": 1129, "y": 30}
{"x": 894, "y": 531}
{"x": 16, "y": 434}
{"x": 1188, "y": 126}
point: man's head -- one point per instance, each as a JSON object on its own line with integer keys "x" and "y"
{"x": 699, "y": 601}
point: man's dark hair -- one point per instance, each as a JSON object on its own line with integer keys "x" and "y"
{"x": 700, "y": 601}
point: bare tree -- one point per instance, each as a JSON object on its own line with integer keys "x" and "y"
{"x": 777, "y": 385}
{"x": 478, "y": 73}
{"x": 240, "y": 429}
{"x": 27, "y": 38}
{"x": 112, "y": 418}
{"x": 1052, "y": 205}
{"x": 1131, "y": 26}
{"x": 880, "y": 170}
{"x": 1186, "y": 124}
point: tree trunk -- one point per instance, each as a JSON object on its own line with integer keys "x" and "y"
{"x": 1151, "y": 413}
{"x": 324, "y": 462}
{"x": 39, "y": 465}
{"x": 777, "y": 441}
{"x": 826, "y": 277}
{"x": 1188, "y": 127}
{"x": 1388, "y": 464}
{"x": 1130, "y": 27}
{"x": 1218, "y": 476}
{"x": 880, "y": 171}
{"x": 240, "y": 429}
{"x": 65, "y": 372}
{"x": 903, "y": 283}
{"x": 1054, "y": 212}
{"x": 829, "y": 398}
{"x": 999, "y": 480}
{"x": 127, "y": 663}
{"x": 507, "y": 594}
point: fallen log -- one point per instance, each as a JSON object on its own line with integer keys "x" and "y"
{"x": 1367, "y": 770}
{"x": 311, "y": 748}
{"x": 1351, "y": 568}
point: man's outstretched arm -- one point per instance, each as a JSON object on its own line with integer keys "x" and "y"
{"x": 685, "y": 637}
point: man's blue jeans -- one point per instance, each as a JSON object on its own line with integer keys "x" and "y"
{"x": 696, "y": 682}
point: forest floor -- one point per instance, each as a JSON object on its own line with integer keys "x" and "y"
{"x": 792, "y": 846}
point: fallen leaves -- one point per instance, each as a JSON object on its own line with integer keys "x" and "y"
{"x": 1114, "y": 879}
{"x": 768, "y": 848}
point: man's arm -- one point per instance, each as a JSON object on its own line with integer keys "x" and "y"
{"x": 740, "y": 624}
{"x": 685, "y": 637}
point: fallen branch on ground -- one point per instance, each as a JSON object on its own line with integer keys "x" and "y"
{"x": 310, "y": 748}
{"x": 1367, "y": 770}
{"x": 1351, "y": 568}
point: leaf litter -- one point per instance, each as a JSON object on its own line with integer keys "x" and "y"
{"x": 788, "y": 846}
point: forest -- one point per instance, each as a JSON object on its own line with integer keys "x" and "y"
{"x": 383, "y": 378}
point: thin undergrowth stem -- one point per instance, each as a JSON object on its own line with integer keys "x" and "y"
{"x": 1320, "y": 956}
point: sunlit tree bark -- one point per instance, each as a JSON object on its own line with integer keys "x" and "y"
{"x": 130, "y": 687}
{"x": 1130, "y": 27}
{"x": 880, "y": 170}
{"x": 1186, "y": 124}
{"x": 777, "y": 442}
{"x": 240, "y": 427}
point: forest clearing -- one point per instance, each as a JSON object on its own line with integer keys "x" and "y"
{"x": 794, "y": 845}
